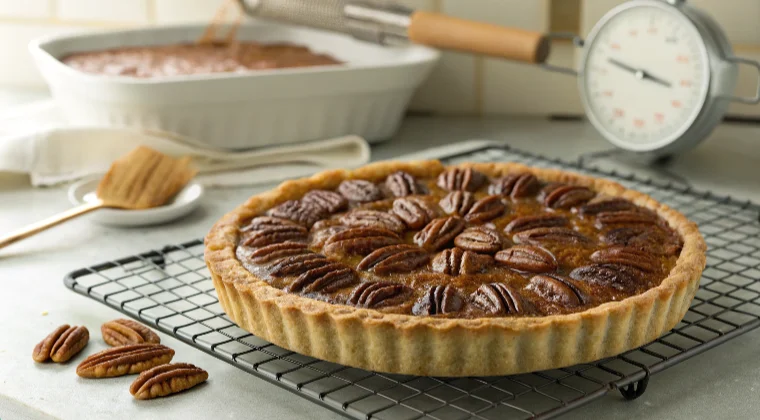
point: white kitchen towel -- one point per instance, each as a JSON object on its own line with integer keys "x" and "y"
{"x": 35, "y": 140}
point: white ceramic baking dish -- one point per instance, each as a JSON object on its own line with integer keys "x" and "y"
{"x": 366, "y": 96}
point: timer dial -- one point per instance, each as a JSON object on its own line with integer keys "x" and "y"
{"x": 645, "y": 76}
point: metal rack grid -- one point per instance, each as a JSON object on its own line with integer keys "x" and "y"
{"x": 171, "y": 291}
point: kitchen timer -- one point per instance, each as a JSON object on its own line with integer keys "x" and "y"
{"x": 656, "y": 76}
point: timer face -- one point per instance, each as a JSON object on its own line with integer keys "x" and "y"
{"x": 645, "y": 76}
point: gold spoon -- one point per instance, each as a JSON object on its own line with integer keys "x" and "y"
{"x": 142, "y": 179}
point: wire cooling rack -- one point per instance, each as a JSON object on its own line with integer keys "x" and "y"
{"x": 170, "y": 289}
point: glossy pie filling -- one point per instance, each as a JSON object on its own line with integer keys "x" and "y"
{"x": 461, "y": 245}
{"x": 185, "y": 59}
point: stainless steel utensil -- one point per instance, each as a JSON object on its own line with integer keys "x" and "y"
{"x": 386, "y": 23}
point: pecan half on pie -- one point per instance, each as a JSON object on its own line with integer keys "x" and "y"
{"x": 475, "y": 269}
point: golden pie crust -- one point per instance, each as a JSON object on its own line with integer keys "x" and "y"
{"x": 420, "y": 345}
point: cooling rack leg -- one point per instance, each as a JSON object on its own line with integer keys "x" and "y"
{"x": 634, "y": 390}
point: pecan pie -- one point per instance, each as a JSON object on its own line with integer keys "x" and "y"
{"x": 474, "y": 269}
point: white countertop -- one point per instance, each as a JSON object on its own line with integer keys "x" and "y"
{"x": 722, "y": 383}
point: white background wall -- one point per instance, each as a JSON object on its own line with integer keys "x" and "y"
{"x": 462, "y": 84}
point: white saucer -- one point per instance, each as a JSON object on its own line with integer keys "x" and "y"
{"x": 185, "y": 202}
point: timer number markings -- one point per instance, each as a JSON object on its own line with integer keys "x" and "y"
{"x": 643, "y": 75}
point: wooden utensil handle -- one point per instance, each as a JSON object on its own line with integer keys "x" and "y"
{"x": 445, "y": 32}
{"x": 49, "y": 222}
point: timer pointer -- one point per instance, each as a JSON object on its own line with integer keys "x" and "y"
{"x": 639, "y": 73}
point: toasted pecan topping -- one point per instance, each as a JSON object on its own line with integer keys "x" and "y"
{"x": 121, "y": 332}
{"x": 373, "y": 218}
{"x": 168, "y": 379}
{"x": 457, "y": 202}
{"x": 527, "y": 258}
{"x": 516, "y": 185}
{"x": 360, "y": 241}
{"x": 560, "y": 235}
{"x": 461, "y": 179}
{"x": 625, "y": 217}
{"x": 124, "y": 360}
{"x": 485, "y": 209}
{"x": 298, "y": 211}
{"x": 645, "y": 237}
{"x": 535, "y": 221}
{"x": 619, "y": 277}
{"x": 274, "y": 252}
{"x": 567, "y": 196}
{"x": 325, "y": 278}
{"x": 439, "y": 232}
{"x": 322, "y": 230}
{"x": 62, "y": 344}
{"x": 439, "y": 300}
{"x": 295, "y": 265}
{"x": 499, "y": 299}
{"x": 415, "y": 211}
{"x": 456, "y": 261}
{"x": 408, "y": 243}
{"x": 556, "y": 289}
{"x": 401, "y": 184}
{"x": 265, "y": 222}
{"x": 479, "y": 239}
{"x": 373, "y": 295}
{"x": 360, "y": 190}
{"x": 275, "y": 235}
{"x": 394, "y": 259}
{"x": 605, "y": 205}
{"x": 633, "y": 257}
{"x": 328, "y": 201}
